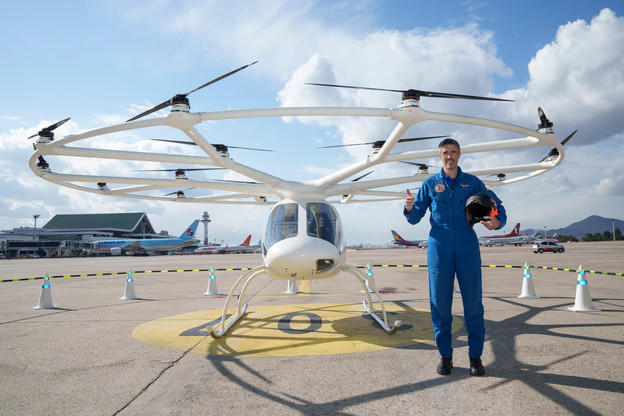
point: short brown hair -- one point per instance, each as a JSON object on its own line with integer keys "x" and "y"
{"x": 447, "y": 141}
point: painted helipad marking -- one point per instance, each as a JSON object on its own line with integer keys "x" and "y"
{"x": 290, "y": 330}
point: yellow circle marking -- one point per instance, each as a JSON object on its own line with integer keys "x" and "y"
{"x": 290, "y": 330}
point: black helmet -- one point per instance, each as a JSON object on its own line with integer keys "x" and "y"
{"x": 478, "y": 206}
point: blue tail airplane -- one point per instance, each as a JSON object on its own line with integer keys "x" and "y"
{"x": 146, "y": 245}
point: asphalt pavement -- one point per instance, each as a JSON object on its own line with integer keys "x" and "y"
{"x": 310, "y": 353}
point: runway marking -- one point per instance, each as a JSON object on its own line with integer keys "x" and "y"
{"x": 291, "y": 330}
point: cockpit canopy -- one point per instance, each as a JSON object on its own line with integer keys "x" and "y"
{"x": 322, "y": 221}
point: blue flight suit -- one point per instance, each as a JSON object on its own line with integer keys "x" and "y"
{"x": 453, "y": 248}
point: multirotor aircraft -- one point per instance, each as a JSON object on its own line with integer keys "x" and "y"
{"x": 303, "y": 237}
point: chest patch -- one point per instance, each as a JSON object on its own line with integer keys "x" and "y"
{"x": 464, "y": 185}
{"x": 439, "y": 188}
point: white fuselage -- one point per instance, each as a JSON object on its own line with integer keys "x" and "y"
{"x": 303, "y": 240}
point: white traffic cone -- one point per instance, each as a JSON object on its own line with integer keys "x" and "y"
{"x": 583, "y": 301}
{"x": 129, "y": 289}
{"x": 45, "y": 298}
{"x": 528, "y": 291}
{"x": 212, "y": 285}
{"x": 293, "y": 287}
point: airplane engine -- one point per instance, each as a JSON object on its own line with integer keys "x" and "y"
{"x": 117, "y": 251}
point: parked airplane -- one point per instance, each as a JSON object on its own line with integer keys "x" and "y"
{"x": 403, "y": 242}
{"x": 512, "y": 238}
{"x": 146, "y": 245}
{"x": 244, "y": 247}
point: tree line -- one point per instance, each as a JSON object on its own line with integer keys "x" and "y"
{"x": 603, "y": 236}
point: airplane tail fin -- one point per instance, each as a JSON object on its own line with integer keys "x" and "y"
{"x": 189, "y": 233}
{"x": 516, "y": 231}
{"x": 398, "y": 239}
{"x": 247, "y": 241}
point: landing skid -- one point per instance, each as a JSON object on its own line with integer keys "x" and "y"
{"x": 241, "y": 307}
{"x": 366, "y": 283}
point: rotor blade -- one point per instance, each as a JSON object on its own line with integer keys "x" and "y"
{"x": 411, "y": 139}
{"x": 420, "y": 165}
{"x": 151, "y": 110}
{"x": 344, "y": 145}
{"x": 349, "y": 86}
{"x": 461, "y": 96}
{"x": 419, "y": 138}
{"x": 419, "y": 92}
{"x": 169, "y": 101}
{"x": 564, "y": 141}
{"x": 234, "y": 181}
{"x": 250, "y": 148}
{"x": 175, "y": 170}
{"x": 50, "y": 128}
{"x": 175, "y": 141}
{"x": 221, "y": 77}
{"x": 57, "y": 124}
{"x": 182, "y": 191}
{"x": 229, "y": 147}
{"x": 360, "y": 177}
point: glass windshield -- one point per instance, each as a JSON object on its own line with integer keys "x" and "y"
{"x": 321, "y": 219}
{"x": 282, "y": 223}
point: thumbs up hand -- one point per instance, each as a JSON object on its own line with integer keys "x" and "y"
{"x": 409, "y": 202}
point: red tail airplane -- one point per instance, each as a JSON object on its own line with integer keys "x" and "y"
{"x": 244, "y": 247}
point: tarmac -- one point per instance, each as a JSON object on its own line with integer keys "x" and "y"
{"x": 310, "y": 353}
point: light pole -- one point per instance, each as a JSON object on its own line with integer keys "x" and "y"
{"x": 35, "y": 217}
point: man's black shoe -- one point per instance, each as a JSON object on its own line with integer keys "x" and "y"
{"x": 476, "y": 367}
{"x": 445, "y": 366}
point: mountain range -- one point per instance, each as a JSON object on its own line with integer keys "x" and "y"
{"x": 592, "y": 225}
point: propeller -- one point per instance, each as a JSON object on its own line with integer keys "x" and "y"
{"x": 377, "y": 144}
{"x": 42, "y": 164}
{"x": 181, "y": 98}
{"x": 179, "y": 193}
{"x": 363, "y": 176}
{"x": 499, "y": 176}
{"x": 554, "y": 152}
{"x": 415, "y": 94}
{"x": 422, "y": 167}
{"x": 544, "y": 122}
{"x": 218, "y": 147}
{"x": 47, "y": 131}
{"x": 355, "y": 180}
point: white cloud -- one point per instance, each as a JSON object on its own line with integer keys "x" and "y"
{"x": 577, "y": 78}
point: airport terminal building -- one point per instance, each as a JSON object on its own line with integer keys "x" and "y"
{"x": 69, "y": 235}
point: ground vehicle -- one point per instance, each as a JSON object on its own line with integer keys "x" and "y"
{"x": 545, "y": 245}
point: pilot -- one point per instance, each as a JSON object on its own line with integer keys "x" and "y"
{"x": 453, "y": 250}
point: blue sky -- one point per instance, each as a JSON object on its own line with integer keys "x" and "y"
{"x": 100, "y": 62}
